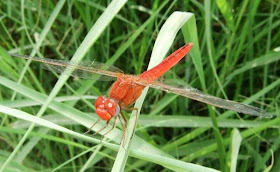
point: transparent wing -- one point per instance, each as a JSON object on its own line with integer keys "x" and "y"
{"x": 195, "y": 94}
{"x": 86, "y": 70}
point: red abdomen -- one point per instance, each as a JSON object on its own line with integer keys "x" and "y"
{"x": 126, "y": 91}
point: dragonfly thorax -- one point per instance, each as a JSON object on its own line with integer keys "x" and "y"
{"x": 106, "y": 108}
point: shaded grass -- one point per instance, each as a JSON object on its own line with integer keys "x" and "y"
{"x": 241, "y": 39}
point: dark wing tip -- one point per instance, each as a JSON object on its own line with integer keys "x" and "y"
{"x": 266, "y": 115}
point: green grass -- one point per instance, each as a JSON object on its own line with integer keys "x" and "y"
{"x": 235, "y": 56}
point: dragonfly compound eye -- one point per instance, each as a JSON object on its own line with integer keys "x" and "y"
{"x": 103, "y": 113}
{"x": 112, "y": 106}
{"x": 99, "y": 101}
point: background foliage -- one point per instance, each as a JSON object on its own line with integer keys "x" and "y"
{"x": 239, "y": 43}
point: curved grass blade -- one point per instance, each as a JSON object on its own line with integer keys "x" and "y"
{"x": 163, "y": 42}
{"x": 97, "y": 29}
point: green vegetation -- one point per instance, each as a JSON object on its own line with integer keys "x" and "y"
{"x": 235, "y": 56}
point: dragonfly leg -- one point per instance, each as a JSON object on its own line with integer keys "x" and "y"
{"x": 124, "y": 130}
{"x": 124, "y": 125}
{"x": 124, "y": 118}
{"x": 106, "y": 125}
{"x": 92, "y": 126}
{"x": 136, "y": 119}
{"x": 114, "y": 124}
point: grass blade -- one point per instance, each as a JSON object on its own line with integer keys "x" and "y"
{"x": 236, "y": 140}
{"x": 164, "y": 40}
{"x": 91, "y": 37}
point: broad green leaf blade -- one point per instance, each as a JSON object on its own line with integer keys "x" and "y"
{"x": 174, "y": 121}
{"x": 36, "y": 120}
{"x": 75, "y": 115}
{"x": 139, "y": 153}
{"x": 139, "y": 148}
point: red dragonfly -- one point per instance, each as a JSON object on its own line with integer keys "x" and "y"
{"x": 127, "y": 88}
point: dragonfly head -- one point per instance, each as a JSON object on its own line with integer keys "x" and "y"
{"x": 106, "y": 108}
